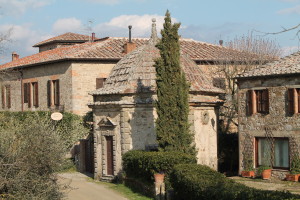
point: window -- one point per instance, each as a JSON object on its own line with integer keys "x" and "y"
{"x": 100, "y": 82}
{"x": 276, "y": 154}
{"x": 258, "y": 101}
{"x": 26, "y": 92}
{"x": 6, "y": 97}
{"x": 53, "y": 93}
{"x": 35, "y": 94}
{"x": 31, "y": 94}
{"x": 293, "y": 100}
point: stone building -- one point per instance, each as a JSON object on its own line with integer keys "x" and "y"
{"x": 269, "y": 114}
{"x": 68, "y": 66}
{"x": 124, "y": 113}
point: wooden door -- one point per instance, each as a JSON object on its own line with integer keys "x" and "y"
{"x": 109, "y": 152}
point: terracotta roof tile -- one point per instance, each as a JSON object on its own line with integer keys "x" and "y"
{"x": 284, "y": 66}
{"x": 113, "y": 49}
{"x": 135, "y": 72}
{"x": 67, "y": 37}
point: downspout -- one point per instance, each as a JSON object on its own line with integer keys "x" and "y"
{"x": 21, "y": 78}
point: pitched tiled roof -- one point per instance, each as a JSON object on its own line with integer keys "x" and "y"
{"x": 136, "y": 73}
{"x": 284, "y": 66}
{"x": 67, "y": 37}
{"x": 113, "y": 49}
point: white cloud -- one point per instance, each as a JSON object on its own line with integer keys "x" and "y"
{"x": 22, "y": 38}
{"x": 141, "y": 25}
{"x": 293, "y": 10}
{"x": 67, "y": 25}
{"x": 17, "y": 7}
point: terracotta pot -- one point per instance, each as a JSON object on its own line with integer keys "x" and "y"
{"x": 266, "y": 174}
{"x": 159, "y": 178}
{"x": 248, "y": 174}
{"x": 292, "y": 177}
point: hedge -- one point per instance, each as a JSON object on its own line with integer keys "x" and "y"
{"x": 196, "y": 182}
{"x": 137, "y": 164}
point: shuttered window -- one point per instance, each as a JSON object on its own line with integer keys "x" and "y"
{"x": 8, "y": 96}
{"x": 3, "y": 96}
{"x": 35, "y": 94}
{"x": 53, "y": 93}
{"x": 257, "y": 101}
{"x": 293, "y": 100}
{"x": 26, "y": 92}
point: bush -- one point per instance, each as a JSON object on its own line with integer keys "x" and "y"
{"x": 70, "y": 128}
{"x": 32, "y": 148}
{"x": 144, "y": 164}
{"x": 196, "y": 182}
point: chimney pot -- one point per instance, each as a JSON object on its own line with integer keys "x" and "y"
{"x": 14, "y": 56}
{"x": 129, "y": 46}
{"x": 130, "y": 27}
{"x": 221, "y": 42}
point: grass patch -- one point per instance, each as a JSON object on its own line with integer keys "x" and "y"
{"x": 122, "y": 189}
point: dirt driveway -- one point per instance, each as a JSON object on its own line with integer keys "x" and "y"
{"x": 81, "y": 188}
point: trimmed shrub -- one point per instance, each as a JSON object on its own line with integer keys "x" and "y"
{"x": 195, "y": 182}
{"x": 137, "y": 164}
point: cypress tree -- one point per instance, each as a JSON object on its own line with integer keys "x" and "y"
{"x": 172, "y": 127}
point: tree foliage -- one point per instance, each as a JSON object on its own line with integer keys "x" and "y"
{"x": 32, "y": 149}
{"x": 172, "y": 127}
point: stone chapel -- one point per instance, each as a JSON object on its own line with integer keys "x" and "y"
{"x": 124, "y": 112}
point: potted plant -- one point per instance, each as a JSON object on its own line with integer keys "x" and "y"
{"x": 248, "y": 168}
{"x": 159, "y": 177}
{"x": 295, "y": 170}
{"x": 265, "y": 171}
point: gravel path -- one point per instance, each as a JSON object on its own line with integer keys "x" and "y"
{"x": 293, "y": 187}
{"x": 80, "y": 188}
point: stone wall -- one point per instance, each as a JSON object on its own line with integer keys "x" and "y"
{"x": 41, "y": 74}
{"x": 84, "y": 81}
{"x": 277, "y": 121}
{"x": 76, "y": 81}
{"x": 135, "y": 128}
{"x": 204, "y": 121}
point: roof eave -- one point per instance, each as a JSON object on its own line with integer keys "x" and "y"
{"x": 62, "y": 60}
{"x": 267, "y": 76}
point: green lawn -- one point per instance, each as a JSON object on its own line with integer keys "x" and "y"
{"x": 122, "y": 189}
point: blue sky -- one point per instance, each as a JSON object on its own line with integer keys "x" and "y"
{"x": 209, "y": 21}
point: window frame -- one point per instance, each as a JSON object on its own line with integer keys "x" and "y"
{"x": 35, "y": 94}
{"x": 258, "y": 101}
{"x": 100, "y": 82}
{"x": 275, "y": 138}
{"x": 6, "y": 96}
{"x": 53, "y": 93}
{"x": 293, "y": 101}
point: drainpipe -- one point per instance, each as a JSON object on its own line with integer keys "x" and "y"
{"x": 21, "y": 78}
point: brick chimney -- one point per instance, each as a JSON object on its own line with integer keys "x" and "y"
{"x": 129, "y": 46}
{"x": 14, "y": 56}
{"x": 93, "y": 37}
